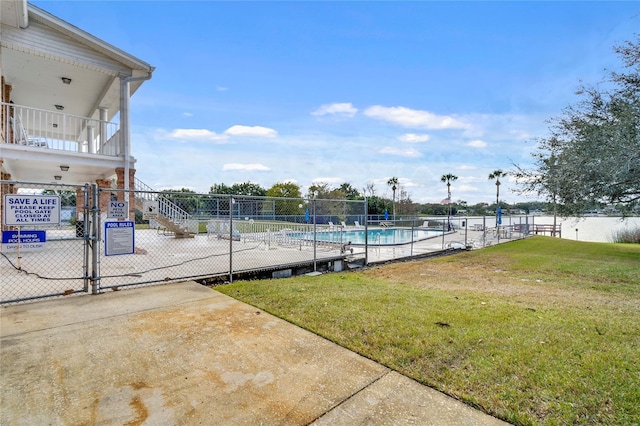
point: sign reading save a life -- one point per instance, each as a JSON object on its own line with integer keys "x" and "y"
{"x": 31, "y": 209}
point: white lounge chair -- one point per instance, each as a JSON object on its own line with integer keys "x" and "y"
{"x": 357, "y": 224}
{"x": 20, "y": 134}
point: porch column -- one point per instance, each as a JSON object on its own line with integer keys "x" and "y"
{"x": 104, "y": 185}
{"x": 103, "y": 129}
{"x": 125, "y": 133}
{"x": 130, "y": 198}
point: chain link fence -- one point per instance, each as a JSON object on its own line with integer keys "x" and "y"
{"x": 43, "y": 256}
{"x": 109, "y": 239}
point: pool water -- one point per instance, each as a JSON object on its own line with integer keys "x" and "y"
{"x": 376, "y": 236}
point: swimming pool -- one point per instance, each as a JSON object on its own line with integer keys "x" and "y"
{"x": 376, "y": 236}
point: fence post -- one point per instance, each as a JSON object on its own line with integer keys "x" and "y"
{"x": 231, "y": 201}
{"x": 366, "y": 231}
{"x": 86, "y": 237}
{"x": 95, "y": 240}
{"x": 315, "y": 241}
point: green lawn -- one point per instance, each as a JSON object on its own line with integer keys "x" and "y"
{"x": 537, "y": 331}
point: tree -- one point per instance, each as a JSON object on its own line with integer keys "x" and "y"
{"x": 246, "y": 188}
{"x": 497, "y": 174}
{"x": 448, "y": 178}
{"x": 67, "y": 198}
{"x": 350, "y": 192}
{"x": 592, "y": 155}
{"x": 393, "y": 183}
{"x": 184, "y": 198}
{"x": 291, "y": 194}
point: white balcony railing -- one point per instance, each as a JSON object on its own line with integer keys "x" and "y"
{"x": 56, "y": 130}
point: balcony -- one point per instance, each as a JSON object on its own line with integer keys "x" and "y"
{"x": 55, "y": 130}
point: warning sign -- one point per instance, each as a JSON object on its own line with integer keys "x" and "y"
{"x": 150, "y": 210}
{"x": 118, "y": 210}
{"x": 31, "y": 209}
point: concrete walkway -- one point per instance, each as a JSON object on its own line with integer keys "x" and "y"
{"x": 183, "y": 354}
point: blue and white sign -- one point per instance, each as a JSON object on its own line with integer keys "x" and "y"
{"x": 119, "y": 238}
{"x": 22, "y": 209}
{"x": 23, "y": 240}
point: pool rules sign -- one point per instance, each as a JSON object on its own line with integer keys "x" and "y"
{"x": 118, "y": 238}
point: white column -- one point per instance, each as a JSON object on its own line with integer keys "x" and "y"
{"x": 124, "y": 126}
{"x": 103, "y": 129}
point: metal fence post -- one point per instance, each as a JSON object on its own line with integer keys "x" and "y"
{"x": 315, "y": 239}
{"x": 366, "y": 231}
{"x": 95, "y": 240}
{"x": 231, "y": 201}
{"x": 86, "y": 238}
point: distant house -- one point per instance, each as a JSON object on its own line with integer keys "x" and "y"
{"x": 62, "y": 89}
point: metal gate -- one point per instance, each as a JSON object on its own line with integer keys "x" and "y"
{"x": 46, "y": 241}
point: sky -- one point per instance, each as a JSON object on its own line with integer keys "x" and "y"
{"x": 356, "y": 92}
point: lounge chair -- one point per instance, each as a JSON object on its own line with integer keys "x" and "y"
{"x": 357, "y": 224}
{"x": 20, "y": 134}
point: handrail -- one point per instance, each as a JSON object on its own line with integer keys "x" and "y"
{"x": 166, "y": 208}
{"x": 24, "y": 125}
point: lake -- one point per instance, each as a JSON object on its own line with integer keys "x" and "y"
{"x": 595, "y": 228}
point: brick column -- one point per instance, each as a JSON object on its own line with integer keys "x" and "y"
{"x": 104, "y": 185}
{"x": 131, "y": 194}
{"x": 5, "y": 188}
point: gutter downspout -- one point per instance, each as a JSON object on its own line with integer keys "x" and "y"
{"x": 23, "y": 14}
{"x": 125, "y": 128}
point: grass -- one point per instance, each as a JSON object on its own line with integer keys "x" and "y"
{"x": 538, "y": 331}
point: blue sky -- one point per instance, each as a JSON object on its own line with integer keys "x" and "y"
{"x": 352, "y": 92}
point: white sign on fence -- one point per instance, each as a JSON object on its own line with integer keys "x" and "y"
{"x": 118, "y": 210}
{"x": 150, "y": 210}
{"x": 118, "y": 238}
{"x": 31, "y": 209}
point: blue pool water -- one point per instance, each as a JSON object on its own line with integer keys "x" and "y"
{"x": 377, "y": 236}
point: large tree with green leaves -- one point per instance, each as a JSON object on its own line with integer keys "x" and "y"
{"x": 592, "y": 155}
{"x": 291, "y": 198}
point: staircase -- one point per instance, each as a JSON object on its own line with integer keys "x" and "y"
{"x": 170, "y": 216}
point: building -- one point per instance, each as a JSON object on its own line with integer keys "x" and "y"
{"x": 64, "y": 115}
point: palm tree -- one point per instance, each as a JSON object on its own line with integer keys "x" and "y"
{"x": 497, "y": 174}
{"x": 448, "y": 178}
{"x": 393, "y": 183}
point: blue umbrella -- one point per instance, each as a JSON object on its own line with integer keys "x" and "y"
{"x": 306, "y": 216}
{"x": 499, "y": 215}
{"x": 386, "y": 214}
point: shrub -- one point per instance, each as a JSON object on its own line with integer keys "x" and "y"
{"x": 627, "y": 235}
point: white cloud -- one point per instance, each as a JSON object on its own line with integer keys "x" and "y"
{"x": 467, "y": 188}
{"x": 412, "y": 118}
{"x": 196, "y": 134}
{"x": 345, "y": 109}
{"x": 414, "y": 138}
{"x": 477, "y": 144}
{"x": 466, "y": 167}
{"x": 187, "y": 114}
{"x": 246, "y": 167}
{"x": 403, "y": 152}
{"x": 257, "y": 131}
{"x": 221, "y": 89}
